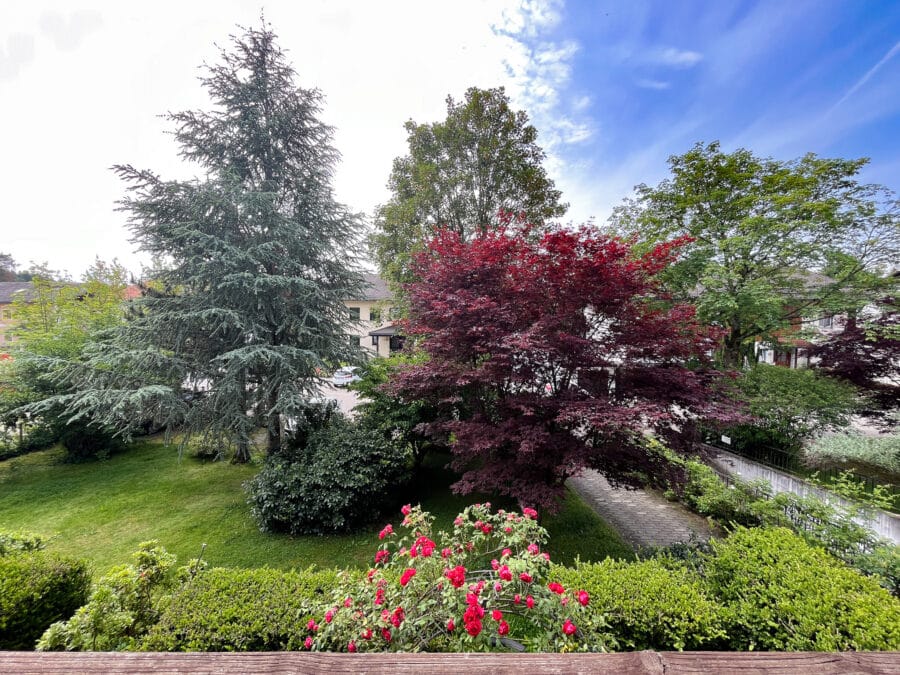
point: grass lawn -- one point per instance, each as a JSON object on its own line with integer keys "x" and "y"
{"x": 101, "y": 511}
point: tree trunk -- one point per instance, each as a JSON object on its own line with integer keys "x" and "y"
{"x": 274, "y": 425}
{"x": 242, "y": 452}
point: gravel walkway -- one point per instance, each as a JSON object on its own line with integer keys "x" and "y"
{"x": 642, "y": 517}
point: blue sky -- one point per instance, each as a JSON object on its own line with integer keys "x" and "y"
{"x": 614, "y": 88}
{"x": 644, "y": 80}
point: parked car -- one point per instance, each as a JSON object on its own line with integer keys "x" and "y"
{"x": 344, "y": 376}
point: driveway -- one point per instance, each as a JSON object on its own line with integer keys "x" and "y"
{"x": 346, "y": 399}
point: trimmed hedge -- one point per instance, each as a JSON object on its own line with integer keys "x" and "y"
{"x": 240, "y": 610}
{"x": 36, "y": 589}
{"x": 782, "y": 594}
{"x": 647, "y": 605}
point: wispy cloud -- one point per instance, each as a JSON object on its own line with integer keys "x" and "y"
{"x": 675, "y": 58}
{"x": 893, "y": 51}
{"x": 19, "y": 52}
{"x": 653, "y": 84}
{"x": 540, "y": 73}
{"x": 67, "y": 32}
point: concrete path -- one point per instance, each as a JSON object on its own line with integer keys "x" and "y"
{"x": 642, "y": 517}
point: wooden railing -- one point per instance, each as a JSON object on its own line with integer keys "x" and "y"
{"x": 630, "y": 663}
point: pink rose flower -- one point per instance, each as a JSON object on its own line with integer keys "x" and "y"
{"x": 446, "y": 553}
{"x": 530, "y": 513}
{"x": 529, "y": 602}
{"x": 569, "y": 628}
{"x": 583, "y": 598}
{"x": 308, "y": 643}
{"x": 505, "y": 574}
{"x": 505, "y": 552}
{"x": 351, "y": 647}
{"x": 388, "y": 529}
{"x": 406, "y": 509}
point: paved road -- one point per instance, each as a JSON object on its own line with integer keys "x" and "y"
{"x": 642, "y": 517}
{"x": 346, "y": 399}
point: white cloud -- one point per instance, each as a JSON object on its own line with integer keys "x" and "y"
{"x": 18, "y": 52}
{"x": 67, "y": 32}
{"x": 659, "y": 85}
{"x": 676, "y": 58}
{"x": 893, "y": 51}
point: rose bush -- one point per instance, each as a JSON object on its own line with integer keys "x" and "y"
{"x": 470, "y": 590}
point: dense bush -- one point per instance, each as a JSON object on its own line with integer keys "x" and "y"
{"x": 649, "y": 605}
{"x": 343, "y": 476}
{"x": 240, "y": 610}
{"x": 36, "y": 589}
{"x": 85, "y": 442}
{"x": 482, "y": 587}
{"x": 121, "y": 609}
{"x": 790, "y": 405}
{"x": 782, "y": 594}
{"x": 19, "y": 542}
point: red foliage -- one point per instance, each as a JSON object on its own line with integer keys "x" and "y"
{"x": 551, "y": 355}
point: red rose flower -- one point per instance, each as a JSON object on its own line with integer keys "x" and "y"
{"x": 517, "y": 599}
{"x": 446, "y": 553}
{"x": 367, "y": 634}
{"x": 505, "y": 552}
{"x": 451, "y": 626}
{"x": 386, "y": 634}
{"x": 351, "y": 647}
{"x": 556, "y": 588}
{"x": 530, "y": 513}
{"x": 497, "y": 615}
{"x": 525, "y": 577}
{"x": 407, "y": 575}
{"x": 406, "y": 509}
{"x": 583, "y": 598}
{"x": 529, "y": 602}
{"x": 308, "y": 643}
{"x": 329, "y": 615}
{"x": 569, "y": 628}
{"x": 457, "y": 576}
{"x": 503, "y": 628}
{"x": 473, "y": 628}
{"x": 505, "y": 574}
{"x": 388, "y": 529}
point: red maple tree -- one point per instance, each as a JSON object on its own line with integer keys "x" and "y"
{"x": 553, "y": 354}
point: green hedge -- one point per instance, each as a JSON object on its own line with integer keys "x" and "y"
{"x": 647, "y": 604}
{"x": 780, "y": 593}
{"x": 36, "y": 589}
{"x": 240, "y": 610}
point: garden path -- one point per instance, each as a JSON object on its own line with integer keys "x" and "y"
{"x": 641, "y": 517}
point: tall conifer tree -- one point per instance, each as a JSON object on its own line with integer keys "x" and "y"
{"x": 257, "y": 256}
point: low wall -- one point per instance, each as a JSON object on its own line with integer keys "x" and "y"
{"x": 884, "y": 524}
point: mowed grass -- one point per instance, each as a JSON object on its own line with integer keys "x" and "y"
{"x": 102, "y": 510}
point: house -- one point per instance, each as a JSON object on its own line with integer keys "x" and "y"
{"x": 9, "y": 291}
{"x": 372, "y": 315}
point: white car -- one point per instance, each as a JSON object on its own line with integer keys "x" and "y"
{"x": 344, "y": 376}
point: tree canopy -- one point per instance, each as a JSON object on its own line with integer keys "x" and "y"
{"x": 773, "y": 241}
{"x": 256, "y": 259}
{"x": 460, "y": 174}
{"x": 549, "y": 355}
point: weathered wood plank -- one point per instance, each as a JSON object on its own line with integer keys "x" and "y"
{"x": 276, "y": 663}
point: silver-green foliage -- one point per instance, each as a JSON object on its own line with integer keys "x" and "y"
{"x": 882, "y": 452}
{"x": 255, "y": 258}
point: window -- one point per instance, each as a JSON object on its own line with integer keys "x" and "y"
{"x": 375, "y": 341}
{"x": 354, "y": 313}
{"x": 826, "y": 322}
{"x": 374, "y": 315}
{"x": 7, "y": 313}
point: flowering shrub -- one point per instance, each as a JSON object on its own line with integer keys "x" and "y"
{"x": 471, "y": 590}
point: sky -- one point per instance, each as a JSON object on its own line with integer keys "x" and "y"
{"x": 614, "y": 88}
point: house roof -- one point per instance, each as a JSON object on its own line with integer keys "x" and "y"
{"x": 10, "y": 289}
{"x": 389, "y": 331}
{"x": 375, "y": 288}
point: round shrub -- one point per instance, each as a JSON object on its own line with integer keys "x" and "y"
{"x": 782, "y": 594}
{"x": 342, "y": 478}
{"x": 36, "y": 589}
{"x": 240, "y": 610}
{"x": 647, "y": 604}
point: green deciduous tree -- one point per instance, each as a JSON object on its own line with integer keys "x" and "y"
{"x": 56, "y": 321}
{"x": 761, "y": 227}
{"x": 459, "y": 174}
{"x": 257, "y": 259}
